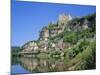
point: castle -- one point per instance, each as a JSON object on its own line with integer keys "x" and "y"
{"x": 63, "y": 19}
{"x": 54, "y": 29}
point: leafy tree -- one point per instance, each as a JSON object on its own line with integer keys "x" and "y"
{"x": 71, "y": 38}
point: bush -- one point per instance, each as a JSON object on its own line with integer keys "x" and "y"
{"x": 78, "y": 48}
{"x": 84, "y": 60}
{"x": 71, "y": 38}
{"x": 86, "y": 34}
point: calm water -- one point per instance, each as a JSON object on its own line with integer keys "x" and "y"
{"x": 25, "y": 65}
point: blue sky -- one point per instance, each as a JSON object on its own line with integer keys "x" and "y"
{"x": 28, "y": 18}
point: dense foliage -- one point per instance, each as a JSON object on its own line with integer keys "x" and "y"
{"x": 82, "y": 54}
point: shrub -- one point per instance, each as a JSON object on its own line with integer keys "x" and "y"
{"x": 71, "y": 38}
{"x": 84, "y": 60}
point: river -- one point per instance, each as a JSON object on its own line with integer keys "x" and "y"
{"x": 24, "y": 65}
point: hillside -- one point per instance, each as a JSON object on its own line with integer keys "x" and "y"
{"x": 74, "y": 41}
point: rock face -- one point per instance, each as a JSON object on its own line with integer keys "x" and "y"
{"x": 30, "y": 46}
{"x": 65, "y": 22}
{"x": 44, "y": 34}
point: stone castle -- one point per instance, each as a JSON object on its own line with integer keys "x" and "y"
{"x": 54, "y": 29}
{"x": 63, "y": 19}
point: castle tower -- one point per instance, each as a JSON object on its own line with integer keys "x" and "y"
{"x": 63, "y": 19}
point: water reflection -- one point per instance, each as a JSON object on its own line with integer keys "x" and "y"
{"x": 36, "y": 65}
